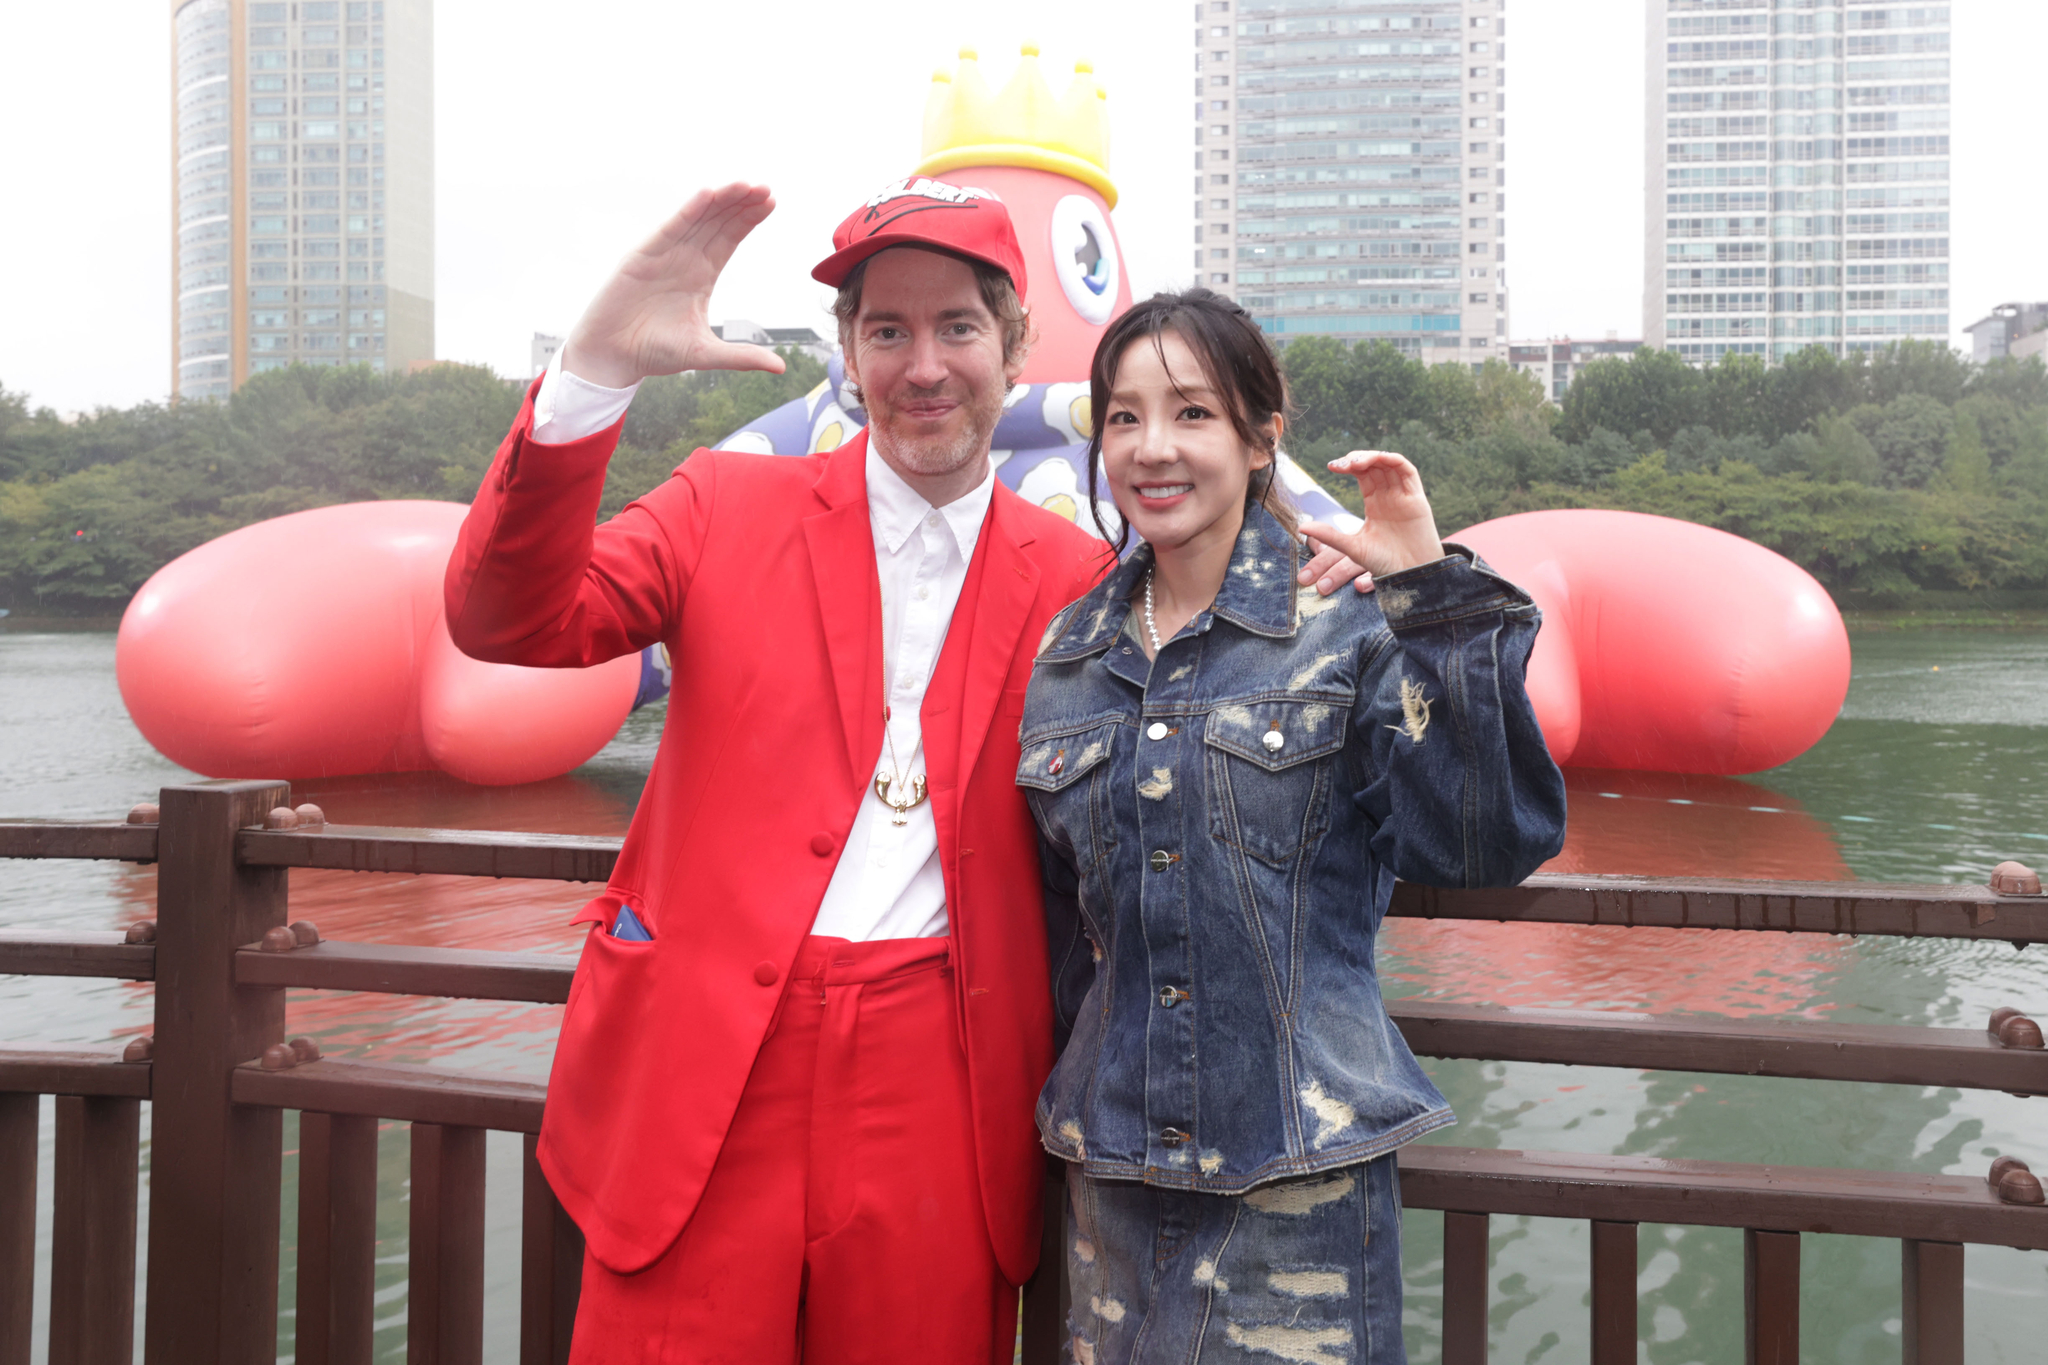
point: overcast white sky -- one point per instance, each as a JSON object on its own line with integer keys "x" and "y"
{"x": 565, "y": 132}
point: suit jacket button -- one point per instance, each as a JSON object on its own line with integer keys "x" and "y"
{"x": 765, "y": 973}
{"x": 821, "y": 844}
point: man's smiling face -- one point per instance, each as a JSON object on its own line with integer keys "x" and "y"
{"x": 928, "y": 355}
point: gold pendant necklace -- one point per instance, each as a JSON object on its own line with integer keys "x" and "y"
{"x": 891, "y": 781}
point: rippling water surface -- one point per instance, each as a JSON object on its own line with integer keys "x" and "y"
{"x": 1934, "y": 773}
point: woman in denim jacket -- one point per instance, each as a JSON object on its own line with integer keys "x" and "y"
{"x": 1228, "y": 772}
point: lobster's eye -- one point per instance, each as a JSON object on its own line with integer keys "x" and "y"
{"x": 1084, "y": 256}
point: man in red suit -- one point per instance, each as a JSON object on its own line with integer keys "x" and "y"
{"x": 791, "y": 1106}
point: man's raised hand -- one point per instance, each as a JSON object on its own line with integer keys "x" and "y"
{"x": 651, "y": 316}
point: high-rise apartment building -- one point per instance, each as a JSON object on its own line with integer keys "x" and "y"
{"x": 1798, "y": 175}
{"x": 304, "y": 187}
{"x": 1350, "y": 176}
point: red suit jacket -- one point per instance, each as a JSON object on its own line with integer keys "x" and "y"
{"x": 758, "y": 572}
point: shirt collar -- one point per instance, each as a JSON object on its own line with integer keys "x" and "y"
{"x": 1258, "y": 592}
{"x": 895, "y": 508}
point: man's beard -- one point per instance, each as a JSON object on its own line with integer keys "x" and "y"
{"x": 939, "y": 454}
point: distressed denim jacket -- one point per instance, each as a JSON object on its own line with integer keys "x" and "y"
{"x": 1221, "y": 833}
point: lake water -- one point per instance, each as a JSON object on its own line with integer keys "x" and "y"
{"x": 1934, "y": 773}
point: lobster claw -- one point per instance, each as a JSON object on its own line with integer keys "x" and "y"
{"x": 888, "y": 784}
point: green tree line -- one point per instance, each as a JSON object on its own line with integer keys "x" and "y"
{"x": 1884, "y": 475}
{"x": 91, "y": 507}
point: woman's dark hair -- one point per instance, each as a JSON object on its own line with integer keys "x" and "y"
{"x": 1237, "y": 360}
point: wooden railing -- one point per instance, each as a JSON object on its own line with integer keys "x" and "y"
{"x": 219, "y": 1072}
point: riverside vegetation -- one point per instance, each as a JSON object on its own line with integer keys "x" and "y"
{"x": 1887, "y": 476}
{"x": 90, "y": 508}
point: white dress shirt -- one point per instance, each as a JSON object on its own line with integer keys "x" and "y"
{"x": 887, "y": 882}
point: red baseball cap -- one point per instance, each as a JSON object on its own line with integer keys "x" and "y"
{"x": 920, "y": 211}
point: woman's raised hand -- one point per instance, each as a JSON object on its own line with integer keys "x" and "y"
{"x": 1400, "y": 530}
{"x": 651, "y": 317}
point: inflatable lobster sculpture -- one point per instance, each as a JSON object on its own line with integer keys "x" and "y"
{"x": 313, "y": 645}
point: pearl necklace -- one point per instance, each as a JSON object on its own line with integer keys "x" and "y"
{"x": 1150, "y": 629}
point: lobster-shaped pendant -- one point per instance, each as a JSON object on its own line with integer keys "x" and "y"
{"x": 886, "y": 785}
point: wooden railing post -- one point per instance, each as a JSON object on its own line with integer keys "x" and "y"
{"x": 92, "y": 1234}
{"x": 337, "y": 1279}
{"x": 1466, "y": 1255}
{"x": 444, "y": 1295}
{"x": 17, "y": 1224}
{"x": 1770, "y": 1295}
{"x": 215, "y": 1166}
{"x": 1614, "y": 1293}
{"x": 550, "y": 1268}
{"x": 1933, "y": 1301}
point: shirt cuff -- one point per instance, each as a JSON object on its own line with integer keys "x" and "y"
{"x": 570, "y": 409}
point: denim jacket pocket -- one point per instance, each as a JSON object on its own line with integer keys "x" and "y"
{"x": 1269, "y": 766}
{"x": 1053, "y": 763}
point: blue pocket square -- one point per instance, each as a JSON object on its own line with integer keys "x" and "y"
{"x": 628, "y": 927}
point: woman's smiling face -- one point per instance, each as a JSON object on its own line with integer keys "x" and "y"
{"x": 1176, "y": 466}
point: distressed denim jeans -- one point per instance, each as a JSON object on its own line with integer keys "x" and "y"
{"x": 1304, "y": 1271}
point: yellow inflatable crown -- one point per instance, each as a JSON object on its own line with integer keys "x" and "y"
{"x": 1025, "y": 125}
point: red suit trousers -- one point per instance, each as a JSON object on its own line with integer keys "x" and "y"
{"x": 842, "y": 1222}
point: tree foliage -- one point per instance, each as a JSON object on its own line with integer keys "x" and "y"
{"x": 1883, "y": 475}
{"x": 91, "y": 507}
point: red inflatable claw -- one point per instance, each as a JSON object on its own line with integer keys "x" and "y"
{"x": 313, "y": 645}
{"x": 1670, "y": 646}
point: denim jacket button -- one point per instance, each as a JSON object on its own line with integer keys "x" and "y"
{"x": 1157, "y": 730}
{"x": 1161, "y": 860}
{"x": 1174, "y": 1137}
{"x": 1273, "y": 739}
{"x": 1169, "y": 997}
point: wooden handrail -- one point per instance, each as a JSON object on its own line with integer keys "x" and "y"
{"x": 1903, "y": 910}
{"x": 1646, "y": 1189}
{"x": 76, "y": 953}
{"x": 1928, "y": 1207}
{"x": 464, "y": 973}
{"x": 457, "y": 852}
{"x": 78, "y": 839}
{"x": 1895, "y": 1054}
{"x": 390, "y": 1090}
{"x": 73, "y": 1071}
{"x": 1890, "y": 909}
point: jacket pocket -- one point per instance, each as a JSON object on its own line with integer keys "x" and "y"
{"x": 1270, "y": 773}
{"x": 1054, "y": 762}
{"x": 612, "y": 988}
{"x": 1070, "y": 811}
{"x": 604, "y": 913}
